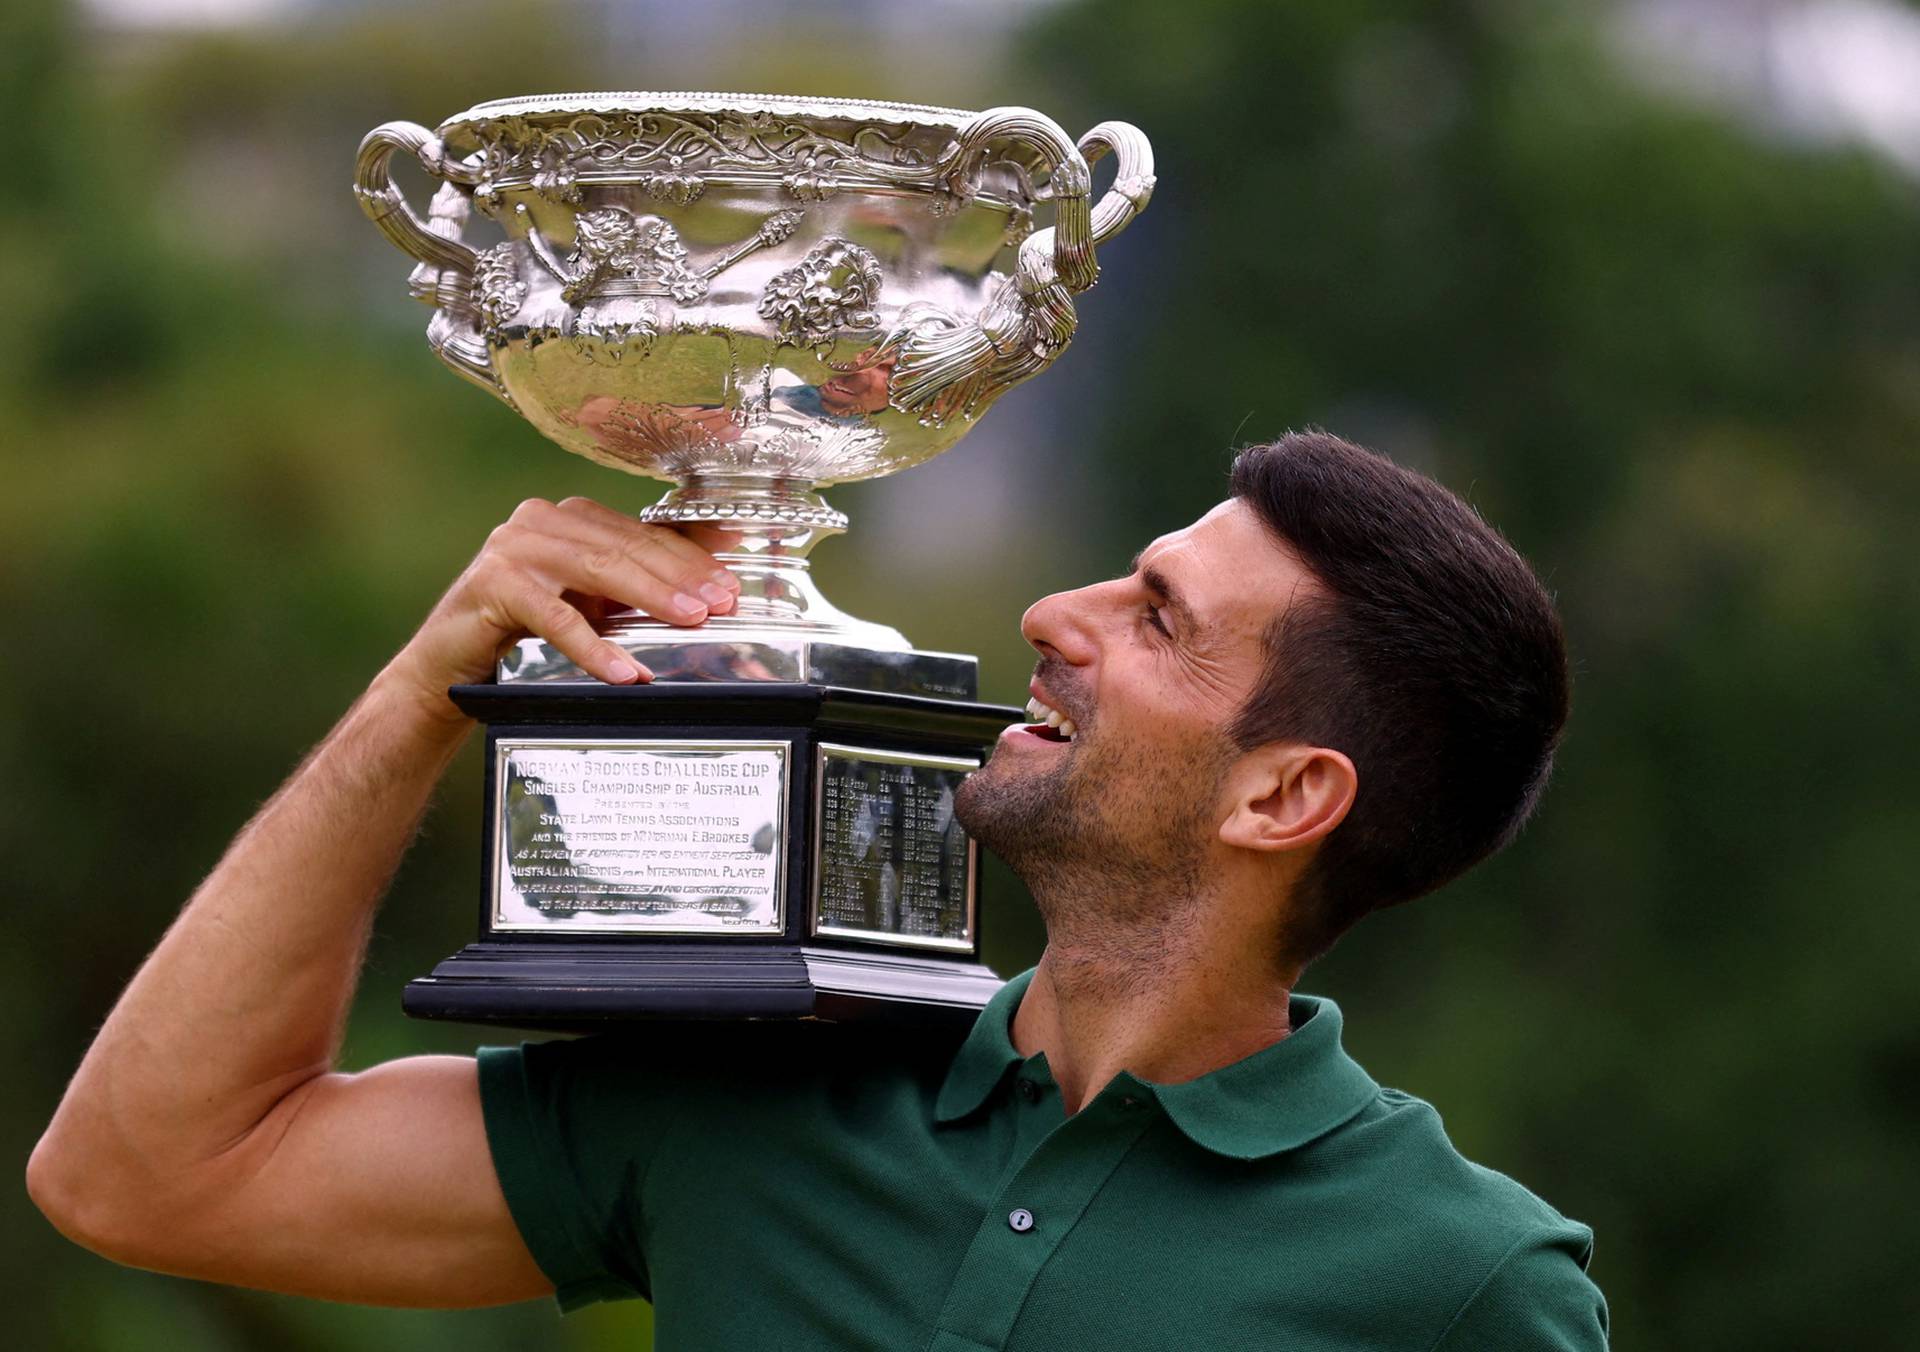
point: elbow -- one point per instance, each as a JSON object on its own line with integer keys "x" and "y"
{"x": 77, "y": 1199}
{"x": 54, "y": 1187}
{"x": 58, "y": 1187}
{"x": 121, "y": 1205}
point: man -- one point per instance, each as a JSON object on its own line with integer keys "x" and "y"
{"x": 1333, "y": 693}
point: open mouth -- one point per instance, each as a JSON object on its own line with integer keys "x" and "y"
{"x": 1049, "y": 724}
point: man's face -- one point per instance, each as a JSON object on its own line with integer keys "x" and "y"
{"x": 1150, "y": 670}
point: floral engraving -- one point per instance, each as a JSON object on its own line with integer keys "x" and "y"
{"x": 601, "y": 333}
{"x": 813, "y": 180}
{"x": 834, "y": 288}
{"x": 672, "y": 184}
{"x": 648, "y": 434}
{"x": 555, "y": 182}
{"x": 671, "y": 155}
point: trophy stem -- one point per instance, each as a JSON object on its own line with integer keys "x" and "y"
{"x": 776, "y": 523}
{"x": 752, "y": 504}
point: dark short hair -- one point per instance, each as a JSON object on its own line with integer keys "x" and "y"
{"x": 1432, "y": 658}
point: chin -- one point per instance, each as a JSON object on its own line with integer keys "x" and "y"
{"x": 979, "y": 794}
{"x": 1004, "y": 800}
{"x": 967, "y": 796}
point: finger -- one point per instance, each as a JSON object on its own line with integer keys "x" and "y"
{"x": 591, "y": 523}
{"x": 716, "y": 541}
{"x": 542, "y": 613}
{"x": 637, "y": 572}
{"x": 595, "y": 608}
{"x": 678, "y": 537}
{"x": 711, "y": 538}
{"x": 705, "y": 540}
{"x": 665, "y": 551}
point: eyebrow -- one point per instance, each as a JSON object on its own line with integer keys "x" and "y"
{"x": 1162, "y": 585}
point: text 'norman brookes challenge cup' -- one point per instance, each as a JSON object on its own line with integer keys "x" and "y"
{"x": 751, "y": 297}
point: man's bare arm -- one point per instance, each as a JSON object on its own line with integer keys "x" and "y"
{"x": 206, "y": 1132}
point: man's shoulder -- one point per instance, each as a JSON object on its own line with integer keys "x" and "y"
{"x": 1436, "y": 1241}
{"x": 1400, "y": 1137}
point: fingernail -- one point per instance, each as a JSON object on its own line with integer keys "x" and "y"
{"x": 687, "y": 605}
{"x": 623, "y": 671}
{"x": 715, "y": 595}
{"x": 726, "y": 579}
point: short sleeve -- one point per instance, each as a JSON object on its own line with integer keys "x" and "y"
{"x": 573, "y": 1128}
{"x": 1538, "y": 1299}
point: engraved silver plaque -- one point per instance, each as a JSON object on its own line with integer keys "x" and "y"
{"x": 624, "y": 837}
{"x": 891, "y": 863}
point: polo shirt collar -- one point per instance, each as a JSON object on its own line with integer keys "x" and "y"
{"x": 1279, "y": 1098}
{"x": 985, "y": 1057}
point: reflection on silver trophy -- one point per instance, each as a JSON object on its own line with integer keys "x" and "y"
{"x": 753, "y": 298}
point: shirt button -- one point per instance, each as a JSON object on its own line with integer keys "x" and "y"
{"x": 1020, "y": 1219}
{"x": 1029, "y": 1091}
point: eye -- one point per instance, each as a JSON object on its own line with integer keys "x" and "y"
{"x": 1152, "y": 617}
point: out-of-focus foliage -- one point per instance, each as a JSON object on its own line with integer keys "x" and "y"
{"x": 1678, "y": 364}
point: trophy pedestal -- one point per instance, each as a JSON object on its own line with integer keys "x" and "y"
{"x": 722, "y": 850}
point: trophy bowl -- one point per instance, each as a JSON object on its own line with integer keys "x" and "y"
{"x": 751, "y": 297}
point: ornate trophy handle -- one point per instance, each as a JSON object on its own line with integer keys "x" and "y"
{"x": 1066, "y": 247}
{"x": 1132, "y": 179}
{"x": 943, "y": 366}
{"x": 380, "y": 197}
{"x": 444, "y": 278}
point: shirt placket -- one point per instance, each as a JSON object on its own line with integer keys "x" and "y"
{"x": 1037, "y": 1205}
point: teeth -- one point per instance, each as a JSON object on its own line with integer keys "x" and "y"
{"x": 1040, "y": 712}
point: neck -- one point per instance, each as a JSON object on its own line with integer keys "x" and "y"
{"x": 1173, "y": 1005}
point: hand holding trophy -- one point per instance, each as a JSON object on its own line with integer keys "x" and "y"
{"x": 752, "y": 298}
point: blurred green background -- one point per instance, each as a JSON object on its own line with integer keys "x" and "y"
{"x": 1642, "y": 280}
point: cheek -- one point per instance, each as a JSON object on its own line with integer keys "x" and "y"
{"x": 1156, "y": 713}
{"x": 1154, "y": 743}
{"x": 1144, "y": 749}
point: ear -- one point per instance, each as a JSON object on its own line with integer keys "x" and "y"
{"x": 1287, "y": 796}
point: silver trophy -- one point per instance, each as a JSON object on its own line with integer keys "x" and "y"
{"x": 752, "y": 298}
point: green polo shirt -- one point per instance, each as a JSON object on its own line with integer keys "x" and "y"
{"x": 765, "y": 1197}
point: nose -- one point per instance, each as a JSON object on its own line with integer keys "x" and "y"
{"x": 1061, "y": 626}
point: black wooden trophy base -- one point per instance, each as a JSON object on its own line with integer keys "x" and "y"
{"x": 802, "y": 966}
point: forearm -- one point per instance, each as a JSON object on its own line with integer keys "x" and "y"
{"x": 246, "y": 997}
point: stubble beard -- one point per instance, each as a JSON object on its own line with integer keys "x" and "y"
{"x": 1111, "y": 839}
